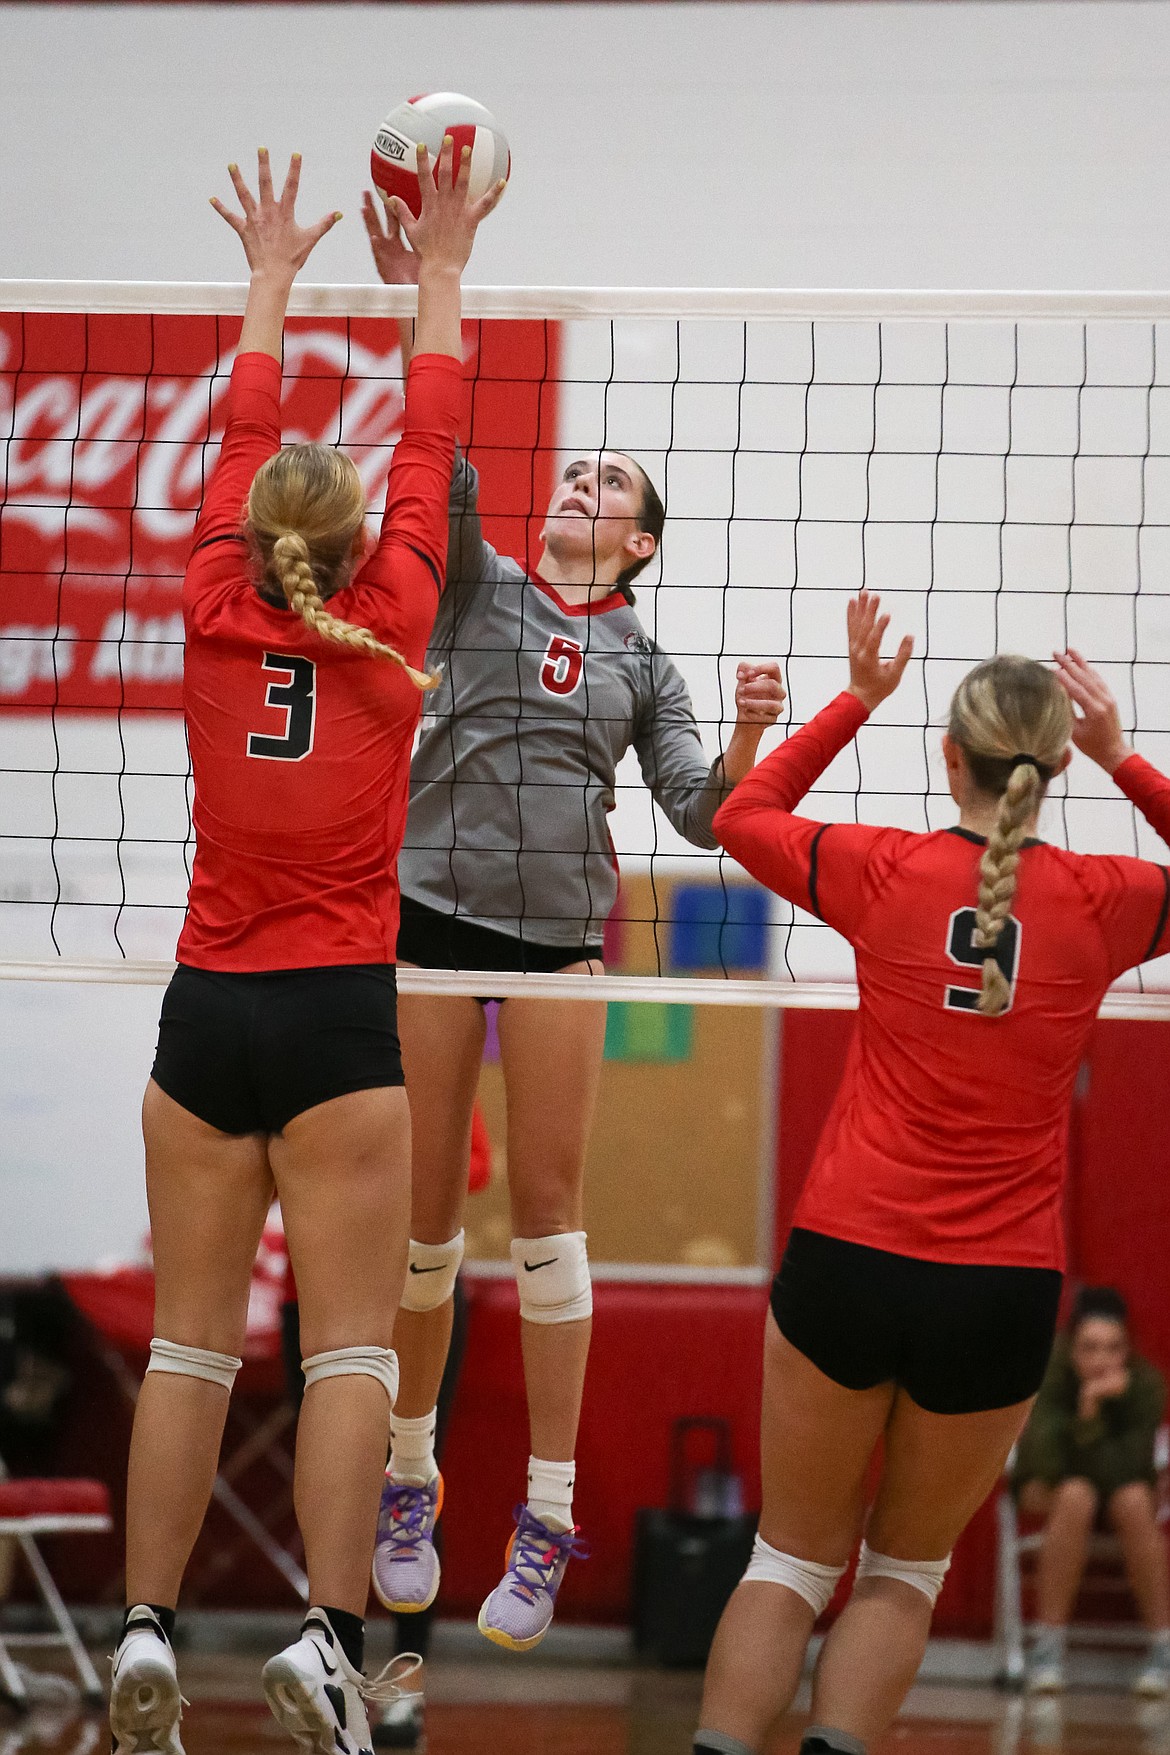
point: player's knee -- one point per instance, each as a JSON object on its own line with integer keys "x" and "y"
{"x": 808, "y": 1578}
{"x": 431, "y": 1270}
{"x": 552, "y": 1273}
{"x": 1132, "y": 1505}
{"x": 924, "y": 1576}
{"x": 380, "y": 1363}
{"x": 1075, "y": 1500}
{"x": 177, "y": 1360}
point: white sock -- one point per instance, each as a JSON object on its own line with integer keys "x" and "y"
{"x": 412, "y": 1449}
{"x": 550, "y": 1492}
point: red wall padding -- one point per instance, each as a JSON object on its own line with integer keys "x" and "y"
{"x": 659, "y": 1353}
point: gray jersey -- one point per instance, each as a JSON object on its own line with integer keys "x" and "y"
{"x": 513, "y": 777}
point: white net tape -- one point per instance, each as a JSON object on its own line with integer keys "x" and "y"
{"x": 996, "y": 464}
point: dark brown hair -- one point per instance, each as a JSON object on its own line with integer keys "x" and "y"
{"x": 651, "y": 517}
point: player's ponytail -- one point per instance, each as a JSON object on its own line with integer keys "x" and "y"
{"x": 1012, "y": 720}
{"x": 305, "y": 510}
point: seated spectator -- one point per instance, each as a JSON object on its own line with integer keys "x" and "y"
{"x": 1086, "y": 1458}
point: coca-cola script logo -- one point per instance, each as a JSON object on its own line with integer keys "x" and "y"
{"x": 109, "y": 428}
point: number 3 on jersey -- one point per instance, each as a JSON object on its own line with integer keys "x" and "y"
{"x": 296, "y": 693}
{"x": 962, "y": 949}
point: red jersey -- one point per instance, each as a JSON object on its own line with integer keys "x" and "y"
{"x": 300, "y": 747}
{"x": 948, "y": 1137}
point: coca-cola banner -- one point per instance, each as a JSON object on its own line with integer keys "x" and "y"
{"x": 109, "y": 426}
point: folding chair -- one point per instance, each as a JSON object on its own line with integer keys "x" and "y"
{"x": 32, "y": 1508}
{"x": 1011, "y": 1629}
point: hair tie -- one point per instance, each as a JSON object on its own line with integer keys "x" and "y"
{"x": 1019, "y": 761}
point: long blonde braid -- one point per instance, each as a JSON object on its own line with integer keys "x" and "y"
{"x": 293, "y": 571}
{"x": 1012, "y": 720}
{"x": 306, "y": 507}
{"x": 997, "y": 878}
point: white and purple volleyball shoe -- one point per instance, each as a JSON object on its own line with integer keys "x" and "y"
{"x": 519, "y": 1611}
{"x": 406, "y": 1566}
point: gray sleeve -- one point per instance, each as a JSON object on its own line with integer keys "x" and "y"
{"x": 468, "y": 555}
{"x": 670, "y": 752}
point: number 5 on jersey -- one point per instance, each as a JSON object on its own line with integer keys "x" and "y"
{"x": 296, "y": 693}
{"x": 560, "y": 670}
{"x": 962, "y": 949}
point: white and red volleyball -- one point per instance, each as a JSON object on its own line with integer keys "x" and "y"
{"x": 394, "y": 160}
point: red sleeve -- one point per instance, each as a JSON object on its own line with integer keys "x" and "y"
{"x": 251, "y": 436}
{"x": 817, "y": 866}
{"x": 424, "y": 457}
{"x": 1131, "y": 897}
{"x": 1131, "y": 901}
{"x": 1148, "y": 790}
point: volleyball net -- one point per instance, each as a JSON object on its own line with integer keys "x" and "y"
{"x": 997, "y": 466}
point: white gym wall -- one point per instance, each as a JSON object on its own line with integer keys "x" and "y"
{"x": 921, "y": 145}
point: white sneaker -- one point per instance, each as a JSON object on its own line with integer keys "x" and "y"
{"x": 1153, "y": 1680}
{"x": 401, "y": 1724}
{"x": 145, "y": 1703}
{"x": 318, "y": 1697}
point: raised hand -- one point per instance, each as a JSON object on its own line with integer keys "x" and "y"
{"x": 872, "y": 677}
{"x": 759, "y": 701}
{"x": 273, "y": 241}
{"x": 759, "y": 694}
{"x": 444, "y": 231}
{"x": 396, "y": 265}
{"x": 1097, "y": 729}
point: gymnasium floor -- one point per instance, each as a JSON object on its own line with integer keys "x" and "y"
{"x": 501, "y": 1709}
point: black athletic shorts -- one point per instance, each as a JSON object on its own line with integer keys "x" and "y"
{"x": 246, "y": 1053}
{"x": 957, "y": 1339}
{"x": 447, "y": 941}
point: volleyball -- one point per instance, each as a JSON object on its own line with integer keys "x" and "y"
{"x": 426, "y": 119}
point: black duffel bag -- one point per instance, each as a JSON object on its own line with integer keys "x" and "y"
{"x": 689, "y": 1558}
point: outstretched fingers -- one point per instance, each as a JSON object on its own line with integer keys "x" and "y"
{"x": 489, "y": 202}
{"x": 376, "y": 230}
{"x": 233, "y": 219}
{"x": 292, "y": 182}
{"x": 316, "y": 232}
{"x": 243, "y": 193}
{"x": 463, "y": 175}
{"x": 901, "y": 658}
{"x": 264, "y": 176}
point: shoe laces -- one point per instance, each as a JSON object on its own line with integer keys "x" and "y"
{"x": 404, "y": 1515}
{"x": 537, "y": 1551}
{"x": 386, "y": 1686}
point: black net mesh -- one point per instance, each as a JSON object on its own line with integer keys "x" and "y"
{"x": 1005, "y": 486}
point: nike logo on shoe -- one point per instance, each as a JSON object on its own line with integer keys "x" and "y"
{"x": 530, "y": 1267}
{"x": 431, "y": 1270}
{"x": 336, "y": 1699}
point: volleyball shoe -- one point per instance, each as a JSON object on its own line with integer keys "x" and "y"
{"x": 406, "y": 1565}
{"x": 145, "y": 1703}
{"x": 402, "y": 1724}
{"x": 519, "y": 1611}
{"x": 317, "y": 1696}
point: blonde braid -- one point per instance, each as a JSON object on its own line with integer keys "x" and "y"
{"x": 293, "y": 571}
{"x": 997, "y": 879}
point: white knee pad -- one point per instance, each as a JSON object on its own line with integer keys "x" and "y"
{"x": 553, "y": 1276}
{"x": 924, "y": 1575}
{"x": 180, "y": 1361}
{"x": 378, "y": 1362}
{"x": 430, "y": 1273}
{"x": 810, "y": 1580}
